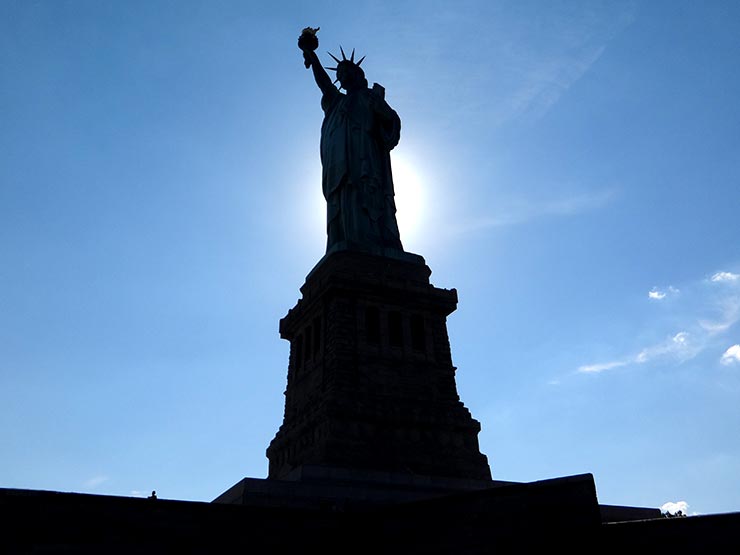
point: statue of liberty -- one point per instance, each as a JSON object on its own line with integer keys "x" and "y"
{"x": 358, "y": 133}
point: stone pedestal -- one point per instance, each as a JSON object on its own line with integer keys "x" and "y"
{"x": 371, "y": 383}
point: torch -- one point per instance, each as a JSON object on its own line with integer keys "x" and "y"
{"x": 308, "y": 42}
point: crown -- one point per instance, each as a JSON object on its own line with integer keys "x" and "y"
{"x": 344, "y": 60}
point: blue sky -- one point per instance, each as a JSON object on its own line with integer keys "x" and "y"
{"x": 572, "y": 168}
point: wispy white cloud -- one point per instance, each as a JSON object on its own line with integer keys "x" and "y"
{"x": 522, "y": 211}
{"x": 546, "y": 75}
{"x": 524, "y": 79}
{"x": 600, "y": 367}
{"x": 658, "y": 294}
{"x": 724, "y": 277}
{"x": 706, "y": 311}
{"x": 673, "y": 507}
{"x": 715, "y": 327}
{"x": 681, "y": 346}
{"x": 731, "y": 356}
{"x": 549, "y": 79}
{"x": 729, "y": 314}
{"x": 95, "y": 481}
{"x": 576, "y": 204}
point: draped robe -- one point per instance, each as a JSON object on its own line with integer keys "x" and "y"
{"x": 357, "y": 135}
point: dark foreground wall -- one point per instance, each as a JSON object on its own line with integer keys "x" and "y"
{"x": 519, "y": 518}
{"x": 697, "y": 534}
{"x": 51, "y": 522}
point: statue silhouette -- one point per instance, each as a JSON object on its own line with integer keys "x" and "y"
{"x": 358, "y": 133}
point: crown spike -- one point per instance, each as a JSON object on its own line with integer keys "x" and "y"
{"x": 331, "y": 68}
{"x": 342, "y": 50}
{"x": 352, "y": 57}
{"x": 333, "y": 56}
{"x": 358, "y": 63}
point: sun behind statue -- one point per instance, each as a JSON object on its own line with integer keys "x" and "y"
{"x": 358, "y": 133}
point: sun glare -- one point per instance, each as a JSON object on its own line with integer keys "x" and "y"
{"x": 410, "y": 203}
{"x": 308, "y": 215}
{"x": 409, "y": 198}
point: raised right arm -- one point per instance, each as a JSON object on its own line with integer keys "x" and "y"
{"x": 319, "y": 73}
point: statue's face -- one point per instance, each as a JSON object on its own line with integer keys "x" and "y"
{"x": 348, "y": 76}
{"x": 341, "y": 75}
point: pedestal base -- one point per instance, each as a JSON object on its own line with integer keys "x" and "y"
{"x": 322, "y": 487}
{"x": 371, "y": 383}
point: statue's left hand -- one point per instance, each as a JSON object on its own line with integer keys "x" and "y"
{"x": 378, "y": 91}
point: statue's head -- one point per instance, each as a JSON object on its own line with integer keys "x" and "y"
{"x": 349, "y": 74}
